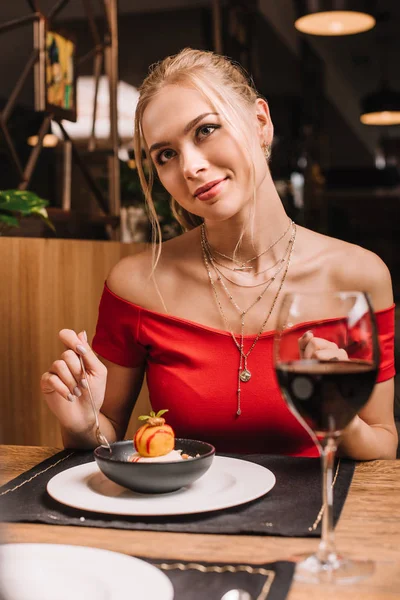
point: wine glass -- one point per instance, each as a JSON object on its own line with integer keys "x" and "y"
{"x": 326, "y": 357}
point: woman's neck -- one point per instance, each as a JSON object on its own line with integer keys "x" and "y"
{"x": 262, "y": 230}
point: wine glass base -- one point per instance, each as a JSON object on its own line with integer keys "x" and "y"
{"x": 336, "y": 570}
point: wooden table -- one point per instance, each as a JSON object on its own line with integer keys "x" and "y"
{"x": 369, "y": 528}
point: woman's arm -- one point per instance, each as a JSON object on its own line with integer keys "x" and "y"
{"x": 114, "y": 388}
{"x": 122, "y": 390}
{"x": 372, "y": 434}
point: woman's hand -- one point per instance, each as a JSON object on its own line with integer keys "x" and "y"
{"x": 320, "y": 349}
{"x": 65, "y": 387}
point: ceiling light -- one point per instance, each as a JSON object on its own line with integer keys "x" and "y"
{"x": 381, "y": 108}
{"x": 334, "y": 17}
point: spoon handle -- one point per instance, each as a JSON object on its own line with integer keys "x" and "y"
{"x": 100, "y": 437}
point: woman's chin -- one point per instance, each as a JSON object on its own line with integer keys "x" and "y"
{"x": 224, "y": 212}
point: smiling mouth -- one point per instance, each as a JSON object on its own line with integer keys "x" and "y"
{"x": 208, "y": 187}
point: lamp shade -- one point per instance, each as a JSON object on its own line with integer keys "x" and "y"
{"x": 333, "y": 17}
{"x": 381, "y": 108}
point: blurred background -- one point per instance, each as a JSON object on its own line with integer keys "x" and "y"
{"x": 334, "y": 94}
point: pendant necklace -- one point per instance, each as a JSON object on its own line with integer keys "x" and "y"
{"x": 244, "y": 375}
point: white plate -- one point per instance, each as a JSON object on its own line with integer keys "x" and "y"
{"x": 228, "y": 482}
{"x": 59, "y": 572}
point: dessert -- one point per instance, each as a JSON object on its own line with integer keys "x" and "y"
{"x": 155, "y": 441}
{"x": 155, "y": 438}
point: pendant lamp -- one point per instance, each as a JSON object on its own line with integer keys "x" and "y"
{"x": 381, "y": 107}
{"x": 333, "y": 17}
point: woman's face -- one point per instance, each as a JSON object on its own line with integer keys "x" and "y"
{"x": 198, "y": 158}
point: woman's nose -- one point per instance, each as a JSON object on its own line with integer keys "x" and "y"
{"x": 192, "y": 162}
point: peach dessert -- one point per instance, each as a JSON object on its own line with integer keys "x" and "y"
{"x": 155, "y": 440}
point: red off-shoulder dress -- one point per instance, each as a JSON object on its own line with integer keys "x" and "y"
{"x": 191, "y": 370}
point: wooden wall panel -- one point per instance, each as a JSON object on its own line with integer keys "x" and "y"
{"x": 46, "y": 285}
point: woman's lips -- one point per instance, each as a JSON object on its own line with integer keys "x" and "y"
{"x": 212, "y": 191}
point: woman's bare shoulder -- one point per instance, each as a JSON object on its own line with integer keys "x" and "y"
{"x": 129, "y": 275}
{"x": 361, "y": 269}
{"x": 133, "y": 279}
{"x": 352, "y": 267}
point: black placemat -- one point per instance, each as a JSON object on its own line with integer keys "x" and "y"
{"x": 291, "y": 508}
{"x": 209, "y": 581}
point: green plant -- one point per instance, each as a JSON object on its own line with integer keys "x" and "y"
{"x": 15, "y": 204}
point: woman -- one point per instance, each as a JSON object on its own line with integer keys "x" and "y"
{"x": 192, "y": 314}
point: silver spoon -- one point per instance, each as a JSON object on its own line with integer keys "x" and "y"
{"x": 236, "y": 594}
{"x": 99, "y": 436}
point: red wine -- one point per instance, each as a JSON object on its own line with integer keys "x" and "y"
{"x": 326, "y": 394}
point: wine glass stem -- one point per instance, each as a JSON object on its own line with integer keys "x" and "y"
{"x": 327, "y": 550}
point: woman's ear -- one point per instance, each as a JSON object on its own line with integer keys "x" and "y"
{"x": 264, "y": 124}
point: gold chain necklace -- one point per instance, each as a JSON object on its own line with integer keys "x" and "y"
{"x": 280, "y": 260}
{"x": 220, "y": 280}
{"x": 221, "y": 274}
{"x": 244, "y": 374}
{"x": 243, "y": 264}
{"x": 242, "y": 312}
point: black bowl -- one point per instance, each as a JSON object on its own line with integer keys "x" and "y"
{"x": 154, "y": 478}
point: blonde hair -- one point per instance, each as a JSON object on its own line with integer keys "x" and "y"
{"x": 225, "y": 85}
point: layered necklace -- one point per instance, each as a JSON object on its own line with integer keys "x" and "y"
{"x": 280, "y": 262}
{"x": 245, "y": 265}
{"x": 244, "y": 374}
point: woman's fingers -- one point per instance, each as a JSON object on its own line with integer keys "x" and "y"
{"x": 331, "y": 354}
{"x": 78, "y": 344}
{"x": 65, "y": 381}
{"x": 319, "y": 348}
{"x": 73, "y": 363}
{"x": 316, "y": 344}
{"x": 61, "y": 369}
{"x": 65, "y": 376}
{"x": 304, "y": 340}
{"x": 82, "y": 335}
{"x": 50, "y": 383}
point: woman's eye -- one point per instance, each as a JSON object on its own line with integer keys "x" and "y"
{"x": 164, "y": 156}
{"x": 206, "y": 130}
{"x": 202, "y": 132}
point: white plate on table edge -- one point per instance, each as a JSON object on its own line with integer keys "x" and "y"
{"x": 228, "y": 482}
{"x": 37, "y": 571}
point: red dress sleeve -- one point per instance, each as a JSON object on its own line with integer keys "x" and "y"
{"x": 350, "y": 336}
{"x": 385, "y": 330}
{"x": 117, "y": 331}
{"x": 385, "y": 327}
